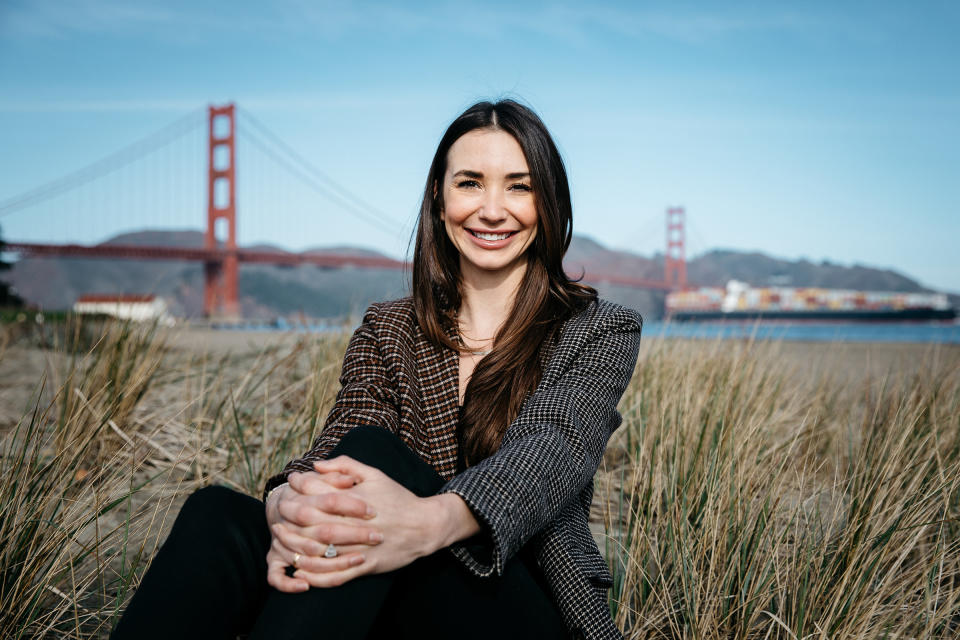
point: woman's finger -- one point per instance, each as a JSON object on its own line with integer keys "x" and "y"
{"x": 297, "y": 542}
{"x": 299, "y": 511}
{"x": 334, "y": 578}
{"x": 285, "y": 548}
{"x": 303, "y": 540}
{"x": 318, "y": 565}
{"x": 347, "y": 466}
{"x": 313, "y": 540}
{"x": 308, "y": 511}
{"x": 312, "y": 482}
{"x": 278, "y": 579}
{"x": 277, "y": 574}
{"x": 342, "y": 504}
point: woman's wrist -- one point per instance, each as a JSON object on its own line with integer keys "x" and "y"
{"x": 451, "y": 520}
{"x": 273, "y": 497}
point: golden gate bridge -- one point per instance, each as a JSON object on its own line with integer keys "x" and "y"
{"x": 222, "y": 256}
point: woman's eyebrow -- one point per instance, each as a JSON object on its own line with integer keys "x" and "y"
{"x": 518, "y": 175}
{"x": 468, "y": 173}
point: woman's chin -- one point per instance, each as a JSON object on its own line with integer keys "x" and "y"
{"x": 489, "y": 264}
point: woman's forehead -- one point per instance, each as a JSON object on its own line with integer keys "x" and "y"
{"x": 486, "y": 150}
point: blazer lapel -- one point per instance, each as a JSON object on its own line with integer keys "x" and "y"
{"x": 438, "y": 370}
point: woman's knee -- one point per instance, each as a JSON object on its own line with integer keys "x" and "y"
{"x": 216, "y": 509}
{"x": 371, "y": 445}
{"x": 210, "y": 502}
{"x": 366, "y": 435}
{"x": 381, "y": 448}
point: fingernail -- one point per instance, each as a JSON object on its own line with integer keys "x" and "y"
{"x": 376, "y": 536}
{"x": 357, "y": 560}
{"x": 371, "y": 512}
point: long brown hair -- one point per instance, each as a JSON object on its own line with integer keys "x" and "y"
{"x": 503, "y": 379}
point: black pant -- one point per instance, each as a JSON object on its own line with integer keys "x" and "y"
{"x": 209, "y": 578}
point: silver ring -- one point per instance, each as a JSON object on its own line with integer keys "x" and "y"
{"x": 331, "y": 551}
{"x": 296, "y": 560}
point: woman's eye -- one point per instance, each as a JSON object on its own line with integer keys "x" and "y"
{"x": 468, "y": 184}
{"x": 521, "y": 187}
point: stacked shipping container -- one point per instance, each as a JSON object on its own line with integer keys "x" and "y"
{"x": 739, "y": 300}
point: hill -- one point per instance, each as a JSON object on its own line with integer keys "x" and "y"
{"x": 716, "y": 267}
{"x": 270, "y": 291}
{"x": 265, "y": 291}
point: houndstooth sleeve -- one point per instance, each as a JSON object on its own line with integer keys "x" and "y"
{"x": 366, "y": 397}
{"x": 553, "y": 448}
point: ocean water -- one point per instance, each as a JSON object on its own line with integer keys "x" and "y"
{"x": 808, "y": 331}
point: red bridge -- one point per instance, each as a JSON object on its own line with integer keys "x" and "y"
{"x": 221, "y": 256}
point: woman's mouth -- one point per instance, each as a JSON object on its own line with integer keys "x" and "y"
{"x": 491, "y": 236}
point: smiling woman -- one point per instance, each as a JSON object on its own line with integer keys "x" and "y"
{"x": 489, "y": 210}
{"x": 449, "y": 491}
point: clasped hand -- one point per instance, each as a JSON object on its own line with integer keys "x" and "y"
{"x": 376, "y": 524}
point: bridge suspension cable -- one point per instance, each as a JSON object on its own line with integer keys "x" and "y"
{"x": 105, "y": 165}
{"x": 287, "y": 157}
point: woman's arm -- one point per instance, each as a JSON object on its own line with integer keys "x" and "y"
{"x": 298, "y": 521}
{"x": 366, "y": 397}
{"x": 548, "y": 455}
{"x": 412, "y": 527}
{"x": 553, "y": 448}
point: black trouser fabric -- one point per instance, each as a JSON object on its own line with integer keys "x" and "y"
{"x": 208, "y": 580}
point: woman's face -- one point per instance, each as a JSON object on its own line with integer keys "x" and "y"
{"x": 489, "y": 208}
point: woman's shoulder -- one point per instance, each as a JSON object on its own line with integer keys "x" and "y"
{"x": 396, "y": 312}
{"x": 604, "y": 316}
{"x": 604, "y": 334}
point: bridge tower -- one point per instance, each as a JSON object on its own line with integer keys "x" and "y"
{"x": 675, "y": 261}
{"x": 220, "y": 282}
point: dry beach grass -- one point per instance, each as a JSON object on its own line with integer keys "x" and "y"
{"x": 756, "y": 490}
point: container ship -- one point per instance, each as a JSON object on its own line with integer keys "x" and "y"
{"x": 739, "y": 301}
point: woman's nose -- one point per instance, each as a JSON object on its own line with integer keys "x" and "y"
{"x": 493, "y": 209}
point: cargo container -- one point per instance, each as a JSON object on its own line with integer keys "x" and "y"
{"x": 740, "y": 301}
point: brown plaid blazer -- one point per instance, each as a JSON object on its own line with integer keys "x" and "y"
{"x": 539, "y": 484}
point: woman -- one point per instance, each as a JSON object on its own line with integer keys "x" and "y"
{"x": 449, "y": 492}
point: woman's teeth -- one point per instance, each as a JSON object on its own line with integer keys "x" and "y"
{"x": 491, "y": 236}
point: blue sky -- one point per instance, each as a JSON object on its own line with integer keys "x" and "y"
{"x": 819, "y": 130}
